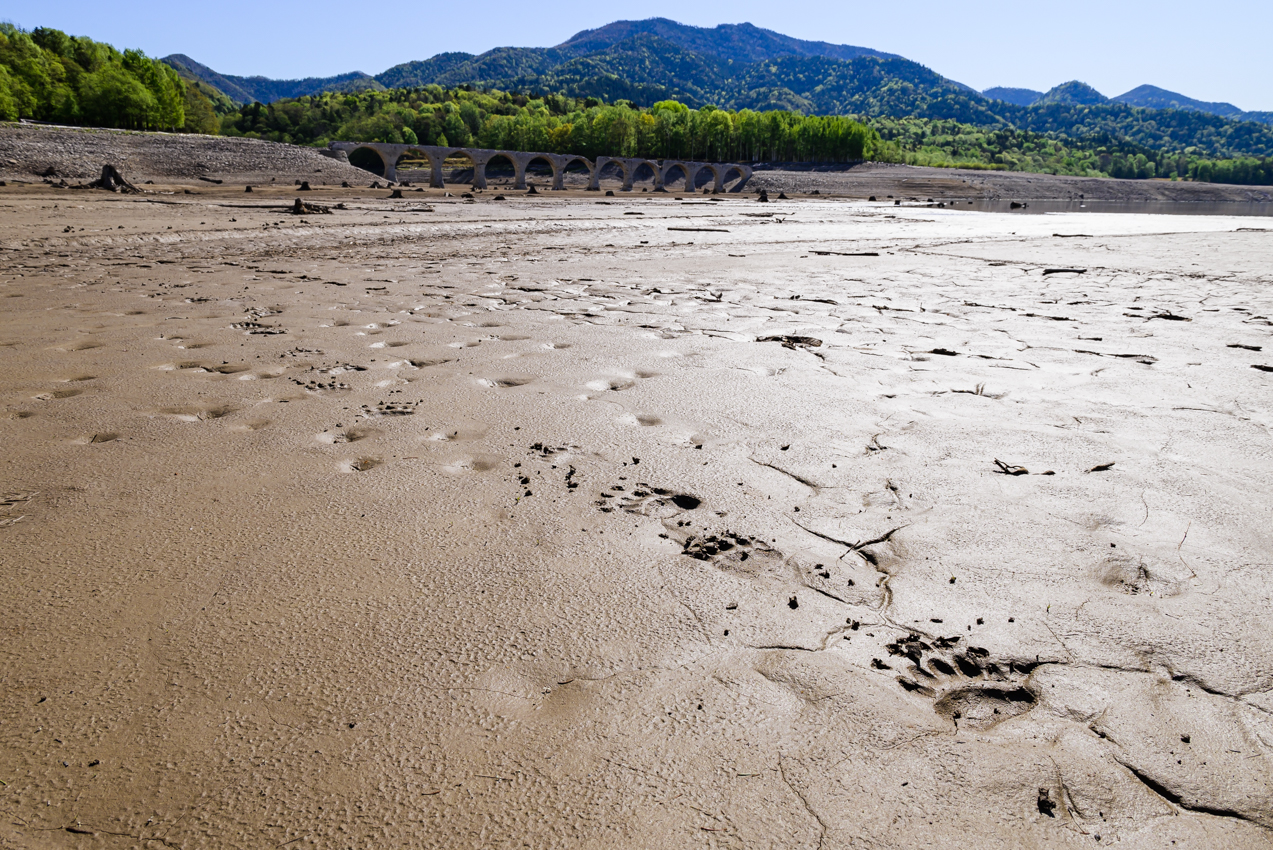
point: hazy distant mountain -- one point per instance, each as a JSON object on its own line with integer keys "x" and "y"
{"x": 1020, "y": 97}
{"x": 1147, "y": 97}
{"x": 1072, "y": 93}
{"x": 265, "y": 90}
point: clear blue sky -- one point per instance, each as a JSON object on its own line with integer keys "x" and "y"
{"x": 1212, "y": 51}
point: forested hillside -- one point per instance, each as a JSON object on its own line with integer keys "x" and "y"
{"x": 48, "y": 75}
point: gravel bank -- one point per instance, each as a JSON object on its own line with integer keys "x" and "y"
{"x": 28, "y": 151}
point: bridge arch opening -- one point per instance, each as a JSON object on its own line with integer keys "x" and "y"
{"x": 613, "y": 173}
{"x": 677, "y": 179}
{"x": 414, "y": 167}
{"x": 501, "y": 171}
{"x": 732, "y": 180}
{"x": 706, "y": 178}
{"x": 644, "y": 173}
{"x": 540, "y": 170}
{"x": 459, "y": 168}
{"x": 576, "y": 174}
{"x": 368, "y": 159}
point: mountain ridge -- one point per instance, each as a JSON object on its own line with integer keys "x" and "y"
{"x": 737, "y": 66}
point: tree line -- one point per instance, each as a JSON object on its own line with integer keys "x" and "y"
{"x": 431, "y": 115}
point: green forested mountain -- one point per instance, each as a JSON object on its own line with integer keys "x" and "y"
{"x": 742, "y": 43}
{"x": 1073, "y": 93}
{"x": 745, "y": 67}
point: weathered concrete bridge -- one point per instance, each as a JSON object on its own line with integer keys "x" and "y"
{"x": 662, "y": 170}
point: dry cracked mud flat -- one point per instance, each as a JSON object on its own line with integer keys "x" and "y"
{"x": 545, "y": 524}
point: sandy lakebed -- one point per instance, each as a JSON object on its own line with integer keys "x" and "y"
{"x": 631, "y": 523}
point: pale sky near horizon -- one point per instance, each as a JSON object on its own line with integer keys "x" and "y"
{"x": 1218, "y": 52}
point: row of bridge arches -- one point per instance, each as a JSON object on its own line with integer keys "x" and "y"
{"x": 478, "y": 167}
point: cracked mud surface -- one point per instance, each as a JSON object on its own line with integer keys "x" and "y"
{"x": 504, "y": 525}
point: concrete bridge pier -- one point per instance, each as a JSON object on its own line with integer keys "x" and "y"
{"x": 594, "y": 185}
{"x": 435, "y": 169}
{"x": 479, "y": 168}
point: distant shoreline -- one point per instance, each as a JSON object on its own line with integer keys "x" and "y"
{"x": 28, "y": 151}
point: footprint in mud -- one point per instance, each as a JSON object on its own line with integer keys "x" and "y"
{"x": 75, "y": 379}
{"x": 460, "y": 432}
{"x": 57, "y": 394}
{"x": 424, "y": 364}
{"x": 645, "y": 420}
{"x": 80, "y": 346}
{"x": 198, "y": 414}
{"x": 964, "y": 684}
{"x": 611, "y": 384}
{"x": 253, "y": 425}
{"x": 19, "y": 414}
{"x": 473, "y": 463}
{"x": 345, "y": 435}
{"x": 557, "y": 346}
{"x": 1130, "y": 575}
{"x": 100, "y": 437}
{"x": 506, "y": 381}
{"x": 361, "y": 464}
{"x": 390, "y": 344}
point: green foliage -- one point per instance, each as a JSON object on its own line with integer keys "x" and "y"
{"x": 646, "y": 68}
{"x": 950, "y": 144}
{"x": 431, "y": 115}
{"x": 48, "y": 75}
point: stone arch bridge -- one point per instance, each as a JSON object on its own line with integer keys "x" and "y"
{"x": 663, "y": 170}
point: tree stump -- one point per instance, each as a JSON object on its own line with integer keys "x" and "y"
{"x": 113, "y": 181}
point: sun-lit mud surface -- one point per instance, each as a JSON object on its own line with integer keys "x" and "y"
{"x": 543, "y": 523}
